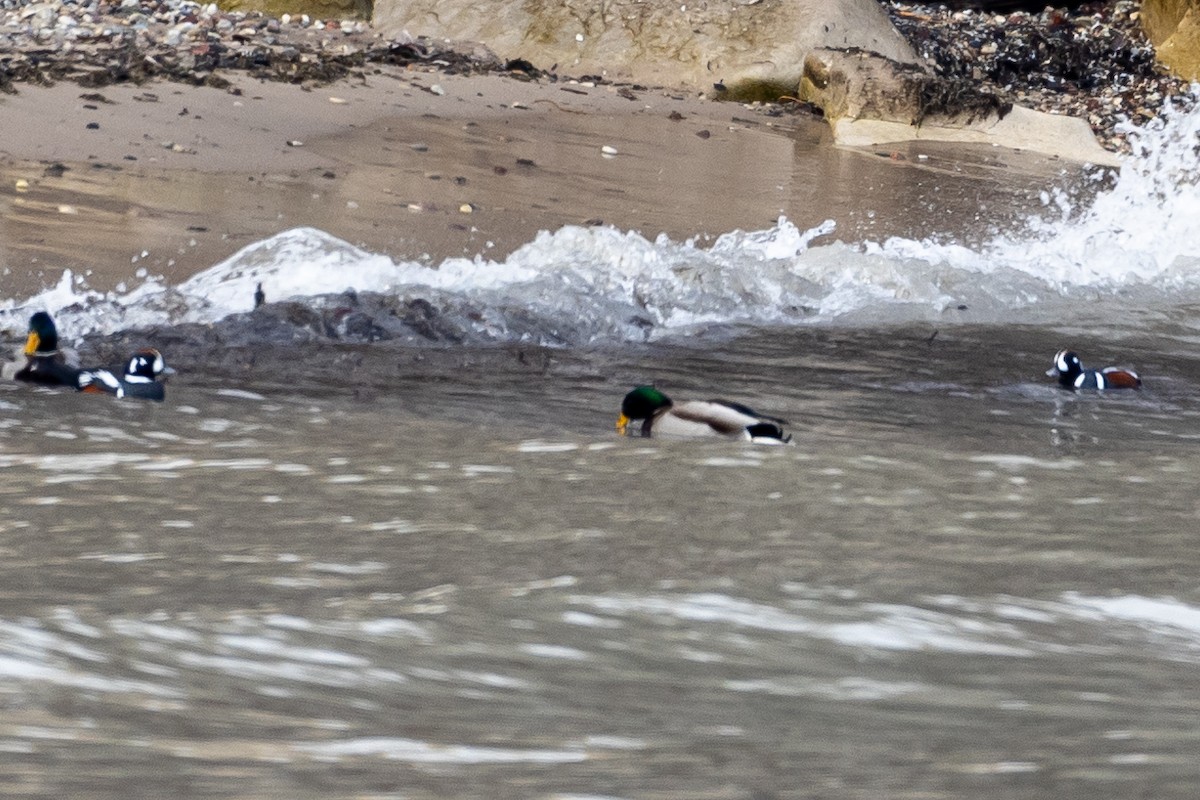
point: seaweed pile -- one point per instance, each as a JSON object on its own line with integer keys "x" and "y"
{"x": 1092, "y": 61}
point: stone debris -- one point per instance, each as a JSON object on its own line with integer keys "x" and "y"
{"x": 1092, "y": 61}
{"x": 96, "y": 43}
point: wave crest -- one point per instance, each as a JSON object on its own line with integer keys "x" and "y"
{"x": 1136, "y": 242}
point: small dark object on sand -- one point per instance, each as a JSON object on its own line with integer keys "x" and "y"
{"x": 260, "y": 297}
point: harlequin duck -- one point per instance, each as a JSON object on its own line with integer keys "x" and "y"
{"x": 1071, "y": 374}
{"x": 45, "y": 363}
{"x": 697, "y": 418}
{"x": 145, "y": 373}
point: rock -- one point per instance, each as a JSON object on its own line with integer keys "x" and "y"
{"x": 869, "y": 100}
{"x": 660, "y": 42}
{"x": 1173, "y": 27}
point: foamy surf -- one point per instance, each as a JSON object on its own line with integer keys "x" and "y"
{"x": 1134, "y": 246}
{"x": 1144, "y": 230}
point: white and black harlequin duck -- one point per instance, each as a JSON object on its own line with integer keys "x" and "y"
{"x": 697, "y": 418}
{"x": 145, "y": 373}
{"x": 1071, "y": 374}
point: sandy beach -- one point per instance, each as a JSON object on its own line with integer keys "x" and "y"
{"x": 165, "y": 178}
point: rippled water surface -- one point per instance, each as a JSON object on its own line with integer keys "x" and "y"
{"x": 961, "y": 581}
{"x": 382, "y": 541}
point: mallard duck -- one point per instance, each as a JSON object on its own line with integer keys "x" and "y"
{"x": 145, "y": 373}
{"x": 45, "y": 363}
{"x": 1069, "y": 371}
{"x": 697, "y": 418}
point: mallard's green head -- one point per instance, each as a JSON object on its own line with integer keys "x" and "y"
{"x": 641, "y": 403}
{"x": 43, "y": 336}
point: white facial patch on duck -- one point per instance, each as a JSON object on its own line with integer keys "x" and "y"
{"x": 144, "y": 367}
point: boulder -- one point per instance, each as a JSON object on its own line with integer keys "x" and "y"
{"x": 1173, "y": 27}
{"x": 869, "y": 99}
{"x": 844, "y": 56}
{"x": 741, "y": 44}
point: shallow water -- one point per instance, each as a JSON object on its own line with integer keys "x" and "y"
{"x": 385, "y": 543}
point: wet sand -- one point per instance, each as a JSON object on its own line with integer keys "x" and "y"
{"x": 170, "y": 179}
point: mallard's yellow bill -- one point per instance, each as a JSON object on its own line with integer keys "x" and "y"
{"x": 622, "y": 424}
{"x": 31, "y": 344}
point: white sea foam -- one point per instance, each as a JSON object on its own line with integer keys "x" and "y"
{"x": 885, "y": 627}
{"x": 850, "y": 689}
{"x": 419, "y": 752}
{"x": 1159, "y": 615}
{"x": 1145, "y": 229}
{"x": 580, "y": 284}
{"x": 554, "y": 651}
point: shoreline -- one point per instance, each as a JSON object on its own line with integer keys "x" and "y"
{"x": 168, "y": 179}
{"x": 420, "y": 166}
{"x": 422, "y": 152}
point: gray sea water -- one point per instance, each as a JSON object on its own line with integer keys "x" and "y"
{"x": 957, "y": 582}
{"x": 415, "y": 561}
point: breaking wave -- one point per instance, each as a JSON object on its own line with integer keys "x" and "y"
{"x": 1135, "y": 244}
